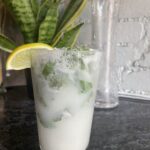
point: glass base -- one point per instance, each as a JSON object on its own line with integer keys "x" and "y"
{"x": 43, "y": 149}
{"x": 106, "y": 101}
{"x": 104, "y": 105}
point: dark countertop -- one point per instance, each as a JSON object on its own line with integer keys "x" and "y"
{"x": 124, "y": 128}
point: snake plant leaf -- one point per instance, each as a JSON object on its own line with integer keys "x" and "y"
{"x": 54, "y": 1}
{"x": 48, "y": 26}
{"x": 70, "y": 37}
{"x": 42, "y": 1}
{"x": 24, "y": 16}
{"x": 6, "y": 44}
{"x": 2, "y": 16}
{"x": 71, "y": 13}
{"x": 45, "y": 4}
{"x": 35, "y": 7}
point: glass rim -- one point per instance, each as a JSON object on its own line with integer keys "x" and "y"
{"x": 70, "y": 51}
{"x": 61, "y": 53}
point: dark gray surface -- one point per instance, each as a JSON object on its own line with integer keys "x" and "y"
{"x": 124, "y": 128}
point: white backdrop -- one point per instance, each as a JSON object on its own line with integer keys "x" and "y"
{"x": 132, "y": 45}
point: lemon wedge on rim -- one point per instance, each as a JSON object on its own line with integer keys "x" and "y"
{"x": 20, "y": 58}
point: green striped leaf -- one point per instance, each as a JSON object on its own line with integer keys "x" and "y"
{"x": 24, "y": 16}
{"x": 6, "y": 44}
{"x": 85, "y": 86}
{"x": 48, "y": 26}
{"x": 45, "y": 5}
{"x": 35, "y": 7}
{"x": 53, "y": 1}
{"x": 70, "y": 37}
{"x": 2, "y": 17}
{"x": 42, "y": 1}
{"x": 73, "y": 10}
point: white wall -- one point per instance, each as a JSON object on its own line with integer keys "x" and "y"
{"x": 133, "y": 46}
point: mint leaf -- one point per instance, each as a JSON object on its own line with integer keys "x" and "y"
{"x": 85, "y": 86}
{"x": 48, "y": 69}
{"x": 82, "y": 64}
{"x": 55, "y": 81}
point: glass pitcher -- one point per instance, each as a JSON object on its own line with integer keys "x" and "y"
{"x": 104, "y": 21}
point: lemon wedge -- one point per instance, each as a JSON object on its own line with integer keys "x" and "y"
{"x": 20, "y": 58}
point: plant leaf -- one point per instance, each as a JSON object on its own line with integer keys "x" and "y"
{"x": 43, "y": 10}
{"x": 23, "y": 14}
{"x": 82, "y": 64}
{"x": 35, "y": 7}
{"x": 85, "y": 86}
{"x": 48, "y": 26}
{"x": 42, "y": 1}
{"x": 73, "y": 10}
{"x": 70, "y": 37}
{"x": 6, "y": 44}
{"x": 48, "y": 69}
{"x": 2, "y": 16}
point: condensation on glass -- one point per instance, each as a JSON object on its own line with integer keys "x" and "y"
{"x": 65, "y": 89}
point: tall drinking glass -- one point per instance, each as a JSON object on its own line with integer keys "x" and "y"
{"x": 65, "y": 83}
{"x": 104, "y": 22}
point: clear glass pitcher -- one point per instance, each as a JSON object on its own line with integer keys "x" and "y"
{"x": 104, "y": 21}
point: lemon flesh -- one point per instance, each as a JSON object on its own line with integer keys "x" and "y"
{"x": 20, "y": 58}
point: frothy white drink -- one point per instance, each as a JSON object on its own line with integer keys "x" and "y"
{"x": 65, "y": 86}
